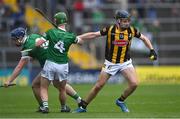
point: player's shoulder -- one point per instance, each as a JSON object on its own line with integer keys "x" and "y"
{"x": 70, "y": 35}
{"x": 132, "y": 28}
{"x": 51, "y": 30}
{"x": 108, "y": 26}
{"x": 135, "y": 31}
{"x": 31, "y": 39}
{"x": 31, "y": 36}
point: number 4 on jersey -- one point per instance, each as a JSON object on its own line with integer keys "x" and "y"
{"x": 60, "y": 46}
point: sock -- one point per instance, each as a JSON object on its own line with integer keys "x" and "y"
{"x": 83, "y": 104}
{"x": 41, "y": 104}
{"x": 122, "y": 98}
{"x": 63, "y": 106}
{"x": 45, "y": 104}
{"x": 77, "y": 98}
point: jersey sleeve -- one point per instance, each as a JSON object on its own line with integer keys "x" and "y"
{"x": 26, "y": 53}
{"x": 104, "y": 31}
{"x": 73, "y": 38}
{"x": 76, "y": 40}
{"x": 137, "y": 34}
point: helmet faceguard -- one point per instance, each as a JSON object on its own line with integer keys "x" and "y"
{"x": 122, "y": 19}
{"x": 17, "y": 35}
{"x": 60, "y": 18}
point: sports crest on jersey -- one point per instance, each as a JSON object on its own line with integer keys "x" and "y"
{"x": 121, "y": 36}
{"x": 120, "y": 42}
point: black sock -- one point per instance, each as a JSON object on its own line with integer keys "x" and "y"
{"x": 83, "y": 104}
{"x": 122, "y": 98}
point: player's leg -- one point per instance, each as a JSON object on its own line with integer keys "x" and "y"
{"x": 36, "y": 90}
{"x": 47, "y": 75}
{"x": 62, "y": 97}
{"x": 69, "y": 90}
{"x": 131, "y": 76}
{"x": 44, "y": 93}
{"x": 62, "y": 76}
{"x": 103, "y": 78}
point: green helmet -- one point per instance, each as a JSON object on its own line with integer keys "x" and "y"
{"x": 60, "y": 18}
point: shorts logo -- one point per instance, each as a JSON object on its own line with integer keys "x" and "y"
{"x": 120, "y": 43}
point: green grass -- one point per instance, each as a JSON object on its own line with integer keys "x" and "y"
{"x": 149, "y": 101}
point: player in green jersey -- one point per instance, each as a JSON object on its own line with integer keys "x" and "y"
{"x": 32, "y": 50}
{"x": 57, "y": 60}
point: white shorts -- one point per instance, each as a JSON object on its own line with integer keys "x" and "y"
{"x": 112, "y": 68}
{"x": 54, "y": 71}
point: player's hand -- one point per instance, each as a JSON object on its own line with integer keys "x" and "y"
{"x": 152, "y": 55}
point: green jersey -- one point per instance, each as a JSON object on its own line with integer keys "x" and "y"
{"x": 29, "y": 49}
{"x": 59, "y": 43}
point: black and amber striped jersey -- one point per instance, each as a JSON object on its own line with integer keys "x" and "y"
{"x": 118, "y": 43}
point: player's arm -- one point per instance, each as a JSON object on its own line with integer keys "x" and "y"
{"x": 152, "y": 55}
{"x": 92, "y": 35}
{"x": 146, "y": 41}
{"x": 88, "y": 36}
{"x": 17, "y": 70}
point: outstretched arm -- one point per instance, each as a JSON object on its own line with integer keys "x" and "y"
{"x": 17, "y": 70}
{"x": 152, "y": 55}
{"x": 88, "y": 36}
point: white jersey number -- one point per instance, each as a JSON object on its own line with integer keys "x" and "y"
{"x": 60, "y": 46}
{"x": 45, "y": 45}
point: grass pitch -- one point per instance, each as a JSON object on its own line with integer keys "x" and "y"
{"x": 148, "y": 101}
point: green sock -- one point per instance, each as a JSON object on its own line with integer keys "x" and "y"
{"x": 76, "y": 97}
{"x": 41, "y": 104}
{"x": 45, "y": 104}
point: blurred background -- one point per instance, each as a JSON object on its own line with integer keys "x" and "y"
{"x": 157, "y": 19}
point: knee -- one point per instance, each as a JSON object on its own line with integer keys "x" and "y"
{"x": 62, "y": 88}
{"x": 35, "y": 85}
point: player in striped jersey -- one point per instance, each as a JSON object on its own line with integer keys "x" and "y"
{"x": 117, "y": 57}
